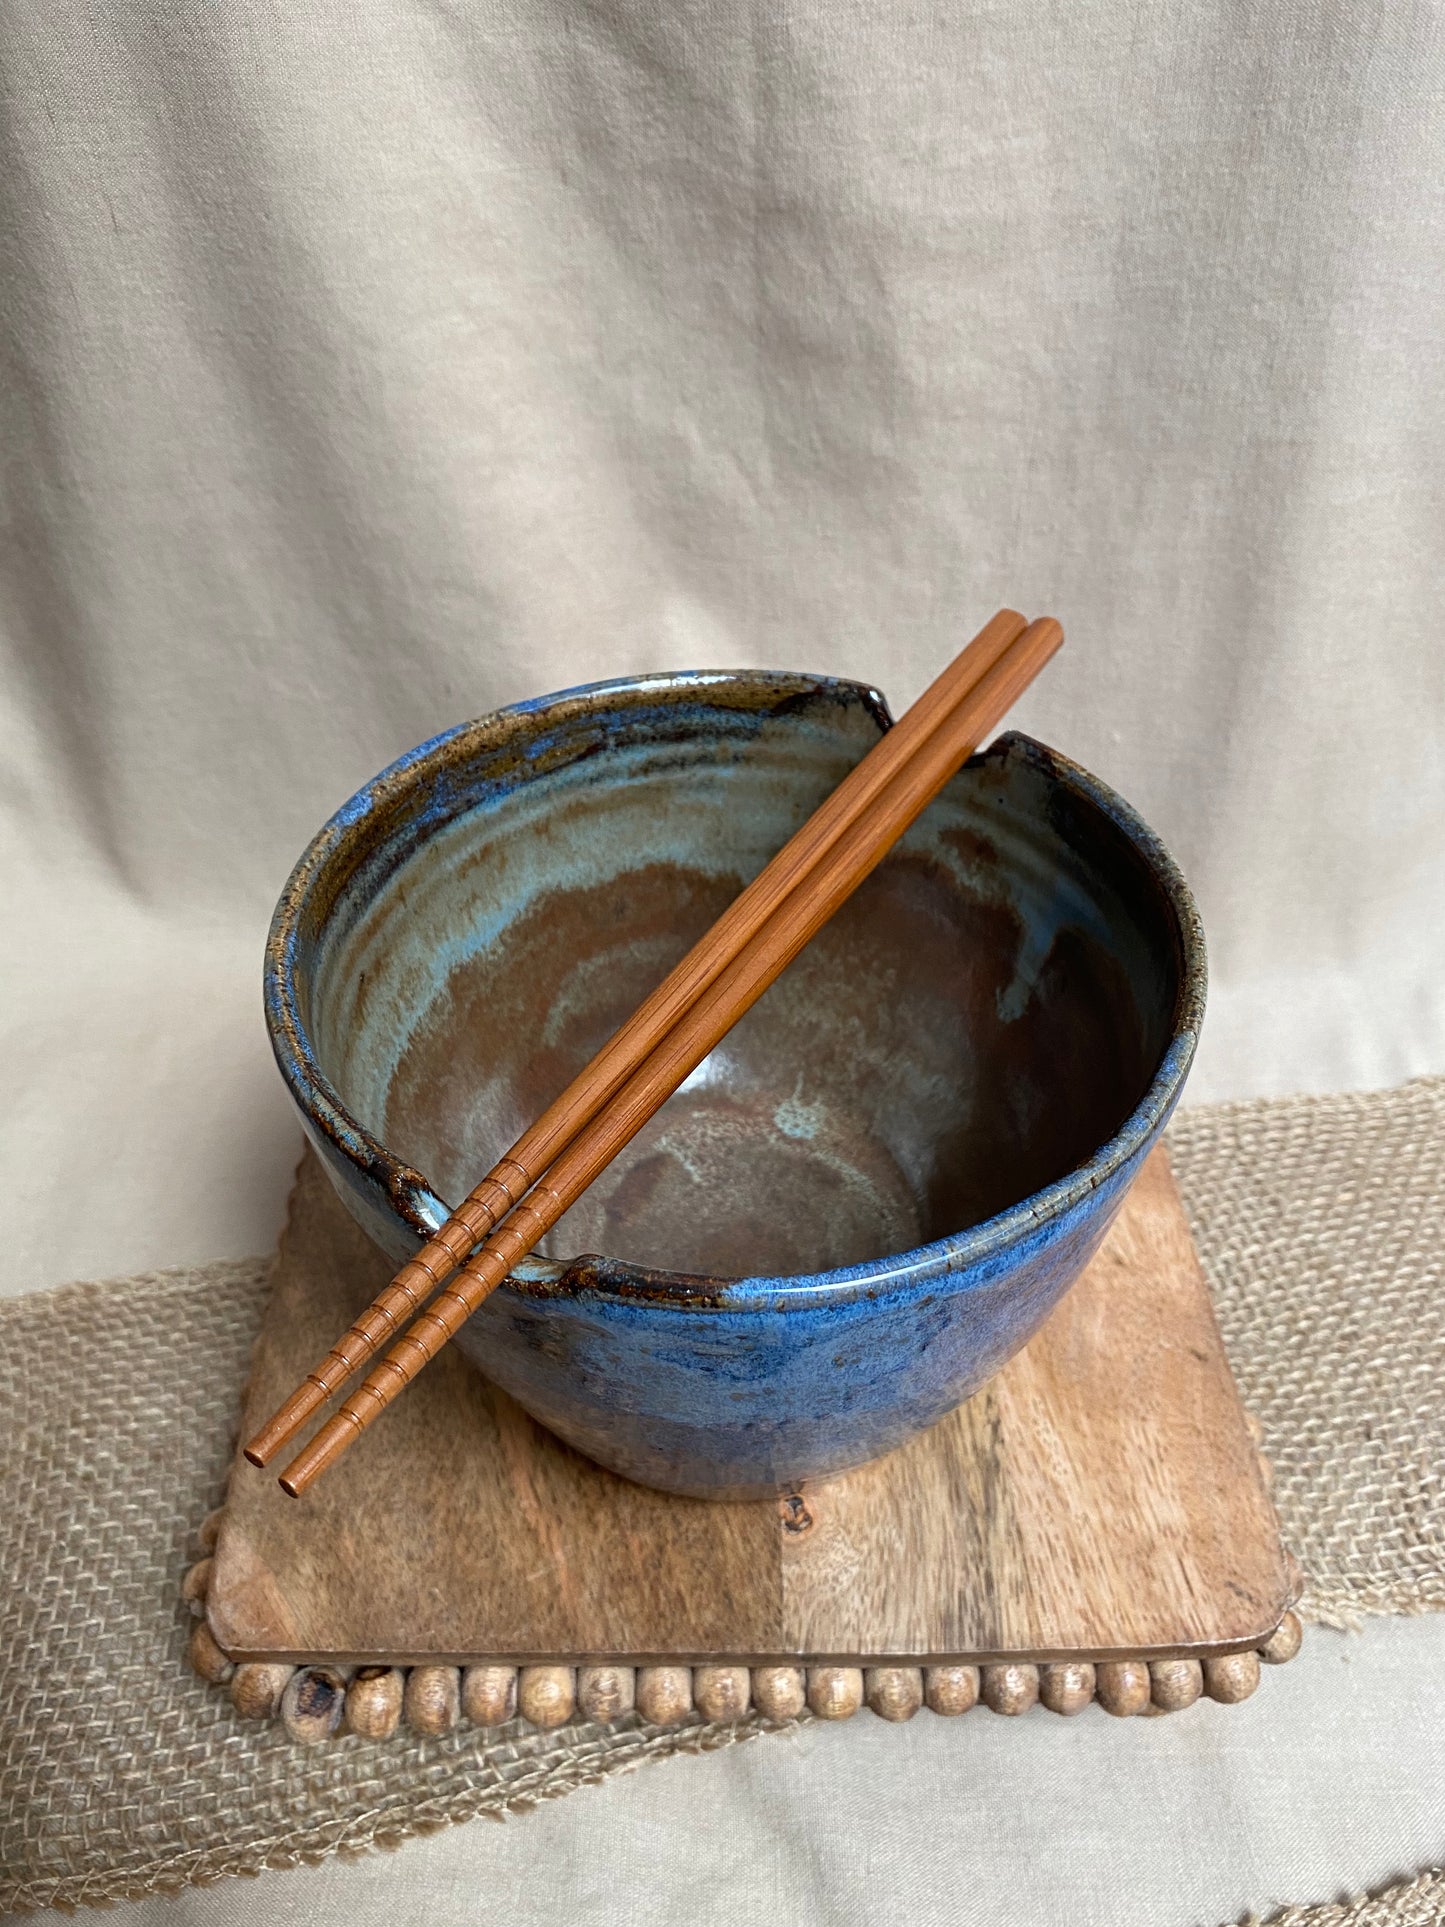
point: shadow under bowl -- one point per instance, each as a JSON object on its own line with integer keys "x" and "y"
{"x": 877, "y": 1186}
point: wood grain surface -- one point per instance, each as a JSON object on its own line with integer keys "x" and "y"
{"x": 1101, "y": 1498}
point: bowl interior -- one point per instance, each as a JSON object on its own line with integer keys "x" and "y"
{"x": 979, "y": 1019}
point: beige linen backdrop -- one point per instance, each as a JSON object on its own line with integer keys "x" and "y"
{"x": 367, "y": 366}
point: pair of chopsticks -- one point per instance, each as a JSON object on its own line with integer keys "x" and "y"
{"x": 661, "y": 1044}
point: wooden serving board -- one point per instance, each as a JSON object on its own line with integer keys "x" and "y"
{"x": 1100, "y": 1498}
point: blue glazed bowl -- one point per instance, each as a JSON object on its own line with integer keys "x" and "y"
{"x": 880, "y": 1183}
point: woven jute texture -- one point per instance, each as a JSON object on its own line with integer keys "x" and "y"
{"x": 1409, "y": 1903}
{"x": 1320, "y": 1222}
{"x": 120, "y": 1774}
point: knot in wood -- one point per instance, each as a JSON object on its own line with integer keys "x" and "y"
{"x": 794, "y": 1513}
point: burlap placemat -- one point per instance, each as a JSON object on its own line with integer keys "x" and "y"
{"x": 1320, "y": 1222}
{"x": 120, "y": 1774}
{"x": 1409, "y": 1903}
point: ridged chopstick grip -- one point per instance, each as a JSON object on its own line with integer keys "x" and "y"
{"x": 679, "y": 1053}
{"x": 628, "y": 1046}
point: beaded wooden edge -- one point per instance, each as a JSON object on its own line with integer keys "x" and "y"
{"x": 321, "y": 1702}
{"x": 315, "y": 1703}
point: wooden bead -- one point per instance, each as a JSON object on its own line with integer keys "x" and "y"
{"x": 206, "y": 1656}
{"x": 893, "y": 1692}
{"x": 195, "y": 1585}
{"x": 546, "y": 1695}
{"x": 950, "y": 1689}
{"x": 1284, "y": 1642}
{"x": 209, "y": 1531}
{"x": 1232, "y": 1677}
{"x": 1175, "y": 1683}
{"x": 835, "y": 1692}
{"x": 374, "y": 1701}
{"x": 489, "y": 1694}
{"x": 313, "y": 1703}
{"x": 721, "y": 1692}
{"x": 1011, "y": 1689}
{"x": 605, "y": 1693}
{"x": 1122, "y": 1686}
{"x": 664, "y": 1693}
{"x": 1068, "y": 1687}
{"x": 432, "y": 1699}
{"x": 779, "y": 1692}
{"x": 256, "y": 1689}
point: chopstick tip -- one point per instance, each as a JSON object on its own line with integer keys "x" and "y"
{"x": 313, "y": 1459}
{"x": 283, "y": 1425}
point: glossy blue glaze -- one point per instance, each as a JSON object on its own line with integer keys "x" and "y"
{"x": 940, "y": 1105}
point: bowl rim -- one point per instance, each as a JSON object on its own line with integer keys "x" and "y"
{"x": 975, "y": 1249}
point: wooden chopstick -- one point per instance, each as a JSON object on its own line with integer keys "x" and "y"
{"x": 797, "y": 918}
{"x": 629, "y": 1046}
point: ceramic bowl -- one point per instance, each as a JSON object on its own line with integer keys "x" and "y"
{"x": 879, "y": 1184}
